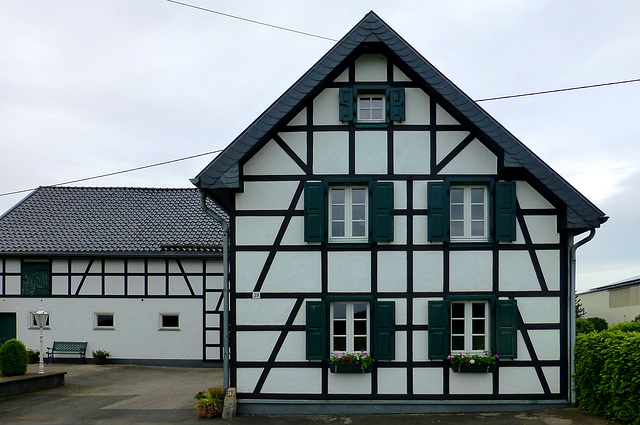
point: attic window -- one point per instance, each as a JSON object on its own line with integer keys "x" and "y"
{"x": 371, "y": 104}
{"x": 371, "y": 108}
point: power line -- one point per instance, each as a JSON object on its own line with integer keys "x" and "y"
{"x": 558, "y": 90}
{"x": 116, "y": 172}
{"x": 252, "y": 21}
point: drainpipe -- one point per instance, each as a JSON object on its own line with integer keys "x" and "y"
{"x": 572, "y": 310}
{"x": 225, "y": 286}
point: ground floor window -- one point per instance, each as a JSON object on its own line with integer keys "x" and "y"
{"x": 169, "y": 321}
{"x": 349, "y": 326}
{"x": 104, "y": 321}
{"x": 469, "y": 326}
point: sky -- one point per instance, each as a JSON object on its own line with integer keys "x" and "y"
{"x": 99, "y": 86}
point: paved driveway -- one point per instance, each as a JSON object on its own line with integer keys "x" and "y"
{"x": 119, "y": 394}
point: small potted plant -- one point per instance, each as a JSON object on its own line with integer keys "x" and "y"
{"x": 210, "y": 403}
{"x": 34, "y": 356}
{"x": 474, "y": 363}
{"x": 100, "y": 356}
{"x": 358, "y": 362}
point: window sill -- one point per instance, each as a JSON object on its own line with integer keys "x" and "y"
{"x": 474, "y": 368}
{"x": 168, "y": 329}
{"x": 37, "y": 328}
{"x": 105, "y": 328}
{"x": 348, "y": 368}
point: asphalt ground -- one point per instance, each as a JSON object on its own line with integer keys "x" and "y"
{"x": 127, "y": 394}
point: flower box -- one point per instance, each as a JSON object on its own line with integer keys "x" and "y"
{"x": 473, "y": 368}
{"x": 348, "y": 368}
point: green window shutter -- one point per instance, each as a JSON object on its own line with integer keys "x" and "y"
{"x": 381, "y": 212}
{"x": 347, "y": 104}
{"x": 505, "y": 209}
{"x": 315, "y": 217}
{"x": 316, "y": 330}
{"x": 384, "y": 330}
{"x": 36, "y": 279}
{"x": 507, "y": 329}
{"x": 438, "y": 211}
{"x": 438, "y": 329}
{"x": 395, "y": 104}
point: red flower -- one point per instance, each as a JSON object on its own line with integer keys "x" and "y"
{"x": 347, "y": 359}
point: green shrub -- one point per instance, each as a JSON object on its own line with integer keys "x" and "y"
{"x": 608, "y": 375}
{"x": 584, "y": 326}
{"x": 13, "y": 358}
{"x": 598, "y": 323}
{"x": 626, "y": 327}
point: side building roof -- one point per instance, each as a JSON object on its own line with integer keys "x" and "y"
{"x": 110, "y": 221}
{"x": 222, "y": 176}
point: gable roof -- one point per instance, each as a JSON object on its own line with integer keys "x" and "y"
{"x": 632, "y": 281}
{"x": 110, "y": 220}
{"x": 223, "y": 173}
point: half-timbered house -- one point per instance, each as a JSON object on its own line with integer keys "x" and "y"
{"x": 133, "y": 271}
{"x": 374, "y": 206}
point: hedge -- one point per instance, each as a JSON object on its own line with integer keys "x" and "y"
{"x": 608, "y": 374}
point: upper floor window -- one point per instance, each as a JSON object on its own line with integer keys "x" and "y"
{"x": 348, "y": 214}
{"x": 36, "y": 279}
{"x": 468, "y": 215}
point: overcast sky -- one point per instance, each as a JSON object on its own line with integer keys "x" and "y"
{"x": 96, "y": 86}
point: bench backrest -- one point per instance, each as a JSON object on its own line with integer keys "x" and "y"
{"x": 69, "y": 346}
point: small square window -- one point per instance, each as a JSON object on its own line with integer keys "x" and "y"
{"x": 169, "y": 321}
{"x": 104, "y": 321}
{"x": 33, "y": 324}
{"x": 371, "y": 108}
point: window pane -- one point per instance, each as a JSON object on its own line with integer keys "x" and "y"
{"x": 337, "y": 196}
{"x": 337, "y": 212}
{"x": 358, "y": 196}
{"x": 337, "y": 228}
{"x": 170, "y": 321}
{"x": 477, "y": 212}
{"x": 358, "y": 229}
{"x": 376, "y": 102}
{"x": 339, "y": 327}
{"x": 478, "y": 326}
{"x": 457, "y": 343}
{"x": 457, "y": 310}
{"x": 365, "y": 102}
{"x": 360, "y": 311}
{"x": 477, "y": 310}
{"x": 360, "y": 327}
{"x": 340, "y": 343}
{"x": 339, "y": 311}
{"x": 478, "y": 343}
{"x": 457, "y": 228}
{"x": 359, "y": 344}
{"x": 376, "y": 114}
{"x": 477, "y": 195}
{"x": 105, "y": 320}
{"x": 457, "y": 327}
{"x": 358, "y": 212}
{"x": 457, "y": 212}
{"x": 477, "y": 228}
{"x": 457, "y": 196}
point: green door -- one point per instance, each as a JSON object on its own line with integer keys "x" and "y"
{"x": 7, "y": 326}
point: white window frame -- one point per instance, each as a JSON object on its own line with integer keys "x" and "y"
{"x": 370, "y": 109}
{"x": 168, "y": 328}
{"x": 104, "y": 313}
{"x": 348, "y": 215}
{"x": 467, "y": 218}
{"x": 350, "y": 326}
{"x": 33, "y": 324}
{"x": 468, "y": 327}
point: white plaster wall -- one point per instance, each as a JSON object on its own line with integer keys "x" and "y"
{"x": 326, "y": 107}
{"x": 552, "y": 374}
{"x": 530, "y": 198}
{"x": 257, "y": 230}
{"x": 428, "y": 269}
{"x": 247, "y": 378}
{"x": 550, "y": 264}
{"x": 255, "y": 345}
{"x": 411, "y": 153}
{"x": 420, "y": 194}
{"x": 248, "y": 268}
{"x": 416, "y": 107}
{"x": 300, "y": 119}
{"x": 470, "y": 383}
{"x": 343, "y": 78}
{"x": 350, "y": 383}
{"x": 266, "y": 195}
{"x": 285, "y": 273}
{"x": 271, "y": 160}
{"x": 392, "y": 271}
{"x": 519, "y": 380}
{"x": 136, "y": 334}
{"x": 297, "y": 141}
{"x": 427, "y": 381}
{"x": 330, "y": 153}
{"x": 263, "y": 311}
{"x": 596, "y": 304}
{"x": 446, "y": 141}
{"x": 542, "y": 228}
{"x": 294, "y": 234}
{"x": 392, "y": 381}
{"x": 420, "y": 346}
{"x": 470, "y": 271}
{"x": 294, "y": 348}
{"x": 307, "y": 381}
{"x": 399, "y": 230}
{"x": 371, "y": 152}
{"x": 371, "y": 68}
{"x": 420, "y": 229}
{"x": 399, "y": 75}
{"x": 539, "y": 309}
{"x": 443, "y": 117}
{"x": 516, "y": 272}
{"x": 546, "y": 343}
{"x": 474, "y": 159}
{"x": 399, "y": 194}
{"x": 349, "y": 271}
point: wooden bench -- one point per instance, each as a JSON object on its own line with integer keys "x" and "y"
{"x": 67, "y": 347}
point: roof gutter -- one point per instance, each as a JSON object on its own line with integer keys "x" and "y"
{"x": 225, "y": 286}
{"x": 571, "y": 311}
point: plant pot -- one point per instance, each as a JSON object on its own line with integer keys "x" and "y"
{"x": 204, "y": 414}
{"x": 474, "y": 368}
{"x": 348, "y": 368}
{"x": 34, "y": 358}
{"x": 100, "y": 360}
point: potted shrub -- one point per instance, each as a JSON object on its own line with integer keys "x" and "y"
{"x": 210, "y": 402}
{"x": 473, "y": 363}
{"x": 100, "y": 356}
{"x": 13, "y": 358}
{"x": 358, "y": 362}
{"x": 34, "y": 356}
